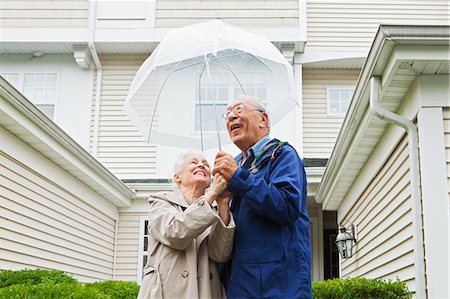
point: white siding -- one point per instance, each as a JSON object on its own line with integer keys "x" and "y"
{"x": 44, "y": 225}
{"x": 171, "y": 13}
{"x": 447, "y": 147}
{"x": 350, "y": 25}
{"x": 384, "y": 219}
{"x": 56, "y": 13}
{"x": 128, "y": 246}
{"x": 319, "y": 130}
{"x": 121, "y": 148}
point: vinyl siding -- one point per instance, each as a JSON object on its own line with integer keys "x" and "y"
{"x": 384, "y": 219}
{"x": 44, "y": 225}
{"x": 244, "y": 13}
{"x": 121, "y": 148}
{"x": 350, "y": 25}
{"x": 128, "y": 246}
{"x": 320, "y": 131}
{"x": 57, "y": 13}
{"x": 447, "y": 147}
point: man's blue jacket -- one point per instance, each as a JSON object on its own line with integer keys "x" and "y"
{"x": 271, "y": 257}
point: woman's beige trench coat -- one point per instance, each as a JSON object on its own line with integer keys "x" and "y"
{"x": 184, "y": 243}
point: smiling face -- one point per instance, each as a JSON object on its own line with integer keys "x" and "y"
{"x": 248, "y": 125}
{"x": 194, "y": 171}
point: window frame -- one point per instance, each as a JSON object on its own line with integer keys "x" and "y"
{"x": 20, "y": 86}
{"x": 339, "y": 88}
{"x": 141, "y": 252}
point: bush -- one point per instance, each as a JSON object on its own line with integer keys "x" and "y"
{"x": 351, "y": 288}
{"x": 116, "y": 289}
{"x": 27, "y": 276}
{"x": 54, "y": 284}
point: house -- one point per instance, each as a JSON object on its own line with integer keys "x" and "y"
{"x": 75, "y": 61}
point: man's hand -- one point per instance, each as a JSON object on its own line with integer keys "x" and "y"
{"x": 225, "y": 165}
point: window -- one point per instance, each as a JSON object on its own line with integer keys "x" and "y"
{"x": 40, "y": 88}
{"x": 223, "y": 88}
{"x": 338, "y": 99}
{"x": 143, "y": 246}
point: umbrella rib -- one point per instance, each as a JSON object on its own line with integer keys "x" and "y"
{"x": 228, "y": 68}
{"x": 157, "y": 100}
{"x": 200, "y": 104}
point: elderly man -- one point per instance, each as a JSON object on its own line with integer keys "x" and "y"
{"x": 271, "y": 255}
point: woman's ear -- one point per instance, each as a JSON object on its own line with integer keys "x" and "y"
{"x": 176, "y": 178}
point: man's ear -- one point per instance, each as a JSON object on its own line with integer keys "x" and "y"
{"x": 264, "y": 120}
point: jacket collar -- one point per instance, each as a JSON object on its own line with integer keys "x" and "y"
{"x": 175, "y": 197}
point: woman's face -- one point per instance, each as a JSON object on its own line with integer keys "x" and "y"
{"x": 194, "y": 171}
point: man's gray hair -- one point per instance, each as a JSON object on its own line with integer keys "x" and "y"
{"x": 254, "y": 102}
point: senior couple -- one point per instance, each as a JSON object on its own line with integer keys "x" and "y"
{"x": 252, "y": 220}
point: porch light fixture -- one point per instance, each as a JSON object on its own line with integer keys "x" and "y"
{"x": 345, "y": 240}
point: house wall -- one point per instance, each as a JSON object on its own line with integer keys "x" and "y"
{"x": 51, "y": 223}
{"x": 382, "y": 212}
{"x": 319, "y": 130}
{"x": 121, "y": 148}
{"x": 59, "y": 13}
{"x": 273, "y": 13}
{"x": 349, "y": 25}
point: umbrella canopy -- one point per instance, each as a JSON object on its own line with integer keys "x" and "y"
{"x": 180, "y": 91}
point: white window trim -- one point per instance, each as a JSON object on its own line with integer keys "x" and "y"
{"x": 141, "y": 252}
{"x": 107, "y": 16}
{"x": 334, "y": 87}
{"x": 20, "y": 87}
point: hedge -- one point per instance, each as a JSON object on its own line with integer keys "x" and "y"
{"x": 350, "y": 288}
{"x": 54, "y": 284}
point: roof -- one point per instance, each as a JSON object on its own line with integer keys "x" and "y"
{"x": 399, "y": 54}
{"x": 19, "y": 116}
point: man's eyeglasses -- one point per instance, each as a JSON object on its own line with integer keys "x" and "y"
{"x": 237, "y": 109}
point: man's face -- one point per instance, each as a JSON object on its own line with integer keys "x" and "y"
{"x": 245, "y": 123}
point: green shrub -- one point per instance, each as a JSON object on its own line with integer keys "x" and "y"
{"x": 35, "y": 276}
{"x": 355, "y": 288}
{"x": 54, "y": 284}
{"x": 48, "y": 290}
{"x": 117, "y": 289}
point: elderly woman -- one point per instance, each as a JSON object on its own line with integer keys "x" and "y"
{"x": 189, "y": 231}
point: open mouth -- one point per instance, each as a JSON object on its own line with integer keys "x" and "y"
{"x": 200, "y": 172}
{"x": 235, "y": 127}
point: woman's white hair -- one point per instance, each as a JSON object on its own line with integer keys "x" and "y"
{"x": 182, "y": 158}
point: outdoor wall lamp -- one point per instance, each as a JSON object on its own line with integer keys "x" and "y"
{"x": 345, "y": 240}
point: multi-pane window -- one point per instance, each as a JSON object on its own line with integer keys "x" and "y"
{"x": 338, "y": 99}
{"x": 212, "y": 98}
{"x": 40, "y": 88}
{"x": 143, "y": 246}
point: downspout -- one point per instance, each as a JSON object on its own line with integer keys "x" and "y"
{"x": 98, "y": 67}
{"x": 411, "y": 130}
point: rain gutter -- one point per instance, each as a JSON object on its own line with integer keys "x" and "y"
{"x": 411, "y": 130}
{"x": 98, "y": 67}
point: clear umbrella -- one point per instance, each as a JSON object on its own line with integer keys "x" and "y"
{"x": 180, "y": 92}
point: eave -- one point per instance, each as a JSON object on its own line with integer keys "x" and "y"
{"x": 399, "y": 54}
{"x": 20, "y": 117}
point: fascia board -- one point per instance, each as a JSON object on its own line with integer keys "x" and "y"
{"x": 30, "y": 118}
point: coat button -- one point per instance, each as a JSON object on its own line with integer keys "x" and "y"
{"x": 185, "y": 274}
{"x": 211, "y": 275}
{"x": 201, "y": 202}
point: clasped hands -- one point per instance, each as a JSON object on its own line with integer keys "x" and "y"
{"x": 224, "y": 168}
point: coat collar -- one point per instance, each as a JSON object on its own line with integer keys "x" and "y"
{"x": 175, "y": 197}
